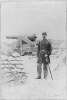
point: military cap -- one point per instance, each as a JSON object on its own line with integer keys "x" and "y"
{"x": 44, "y": 33}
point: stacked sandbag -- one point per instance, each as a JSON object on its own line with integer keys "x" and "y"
{"x": 12, "y": 67}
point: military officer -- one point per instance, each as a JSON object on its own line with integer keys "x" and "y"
{"x": 43, "y": 53}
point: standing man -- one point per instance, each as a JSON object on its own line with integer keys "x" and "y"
{"x": 43, "y": 53}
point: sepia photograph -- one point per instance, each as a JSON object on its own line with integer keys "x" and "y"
{"x": 33, "y": 50}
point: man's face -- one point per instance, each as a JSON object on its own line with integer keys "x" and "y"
{"x": 44, "y": 36}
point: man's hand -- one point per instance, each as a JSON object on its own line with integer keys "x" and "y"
{"x": 46, "y": 55}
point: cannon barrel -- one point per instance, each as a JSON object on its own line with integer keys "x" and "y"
{"x": 11, "y": 37}
{"x": 31, "y": 37}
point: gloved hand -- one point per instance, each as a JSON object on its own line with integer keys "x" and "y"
{"x": 46, "y": 55}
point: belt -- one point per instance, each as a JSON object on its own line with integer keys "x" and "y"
{"x": 42, "y": 50}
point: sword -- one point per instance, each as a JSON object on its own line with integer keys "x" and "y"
{"x": 50, "y": 72}
{"x": 49, "y": 67}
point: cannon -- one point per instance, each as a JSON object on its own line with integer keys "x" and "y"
{"x": 31, "y": 37}
{"x": 24, "y": 41}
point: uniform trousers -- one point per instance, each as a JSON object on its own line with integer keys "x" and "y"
{"x": 41, "y": 60}
{"x": 39, "y": 70}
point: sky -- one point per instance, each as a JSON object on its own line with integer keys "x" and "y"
{"x": 27, "y": 18}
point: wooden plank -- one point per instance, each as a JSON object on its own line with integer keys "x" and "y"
{"x": 28, "y": 41}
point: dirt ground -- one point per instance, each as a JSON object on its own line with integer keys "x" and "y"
{"x": 32, "y": 88}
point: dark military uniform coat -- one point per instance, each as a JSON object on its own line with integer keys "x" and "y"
{"x": 44, "y": 47}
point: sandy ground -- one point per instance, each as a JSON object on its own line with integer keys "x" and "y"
{"x": 34, "y": 88}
